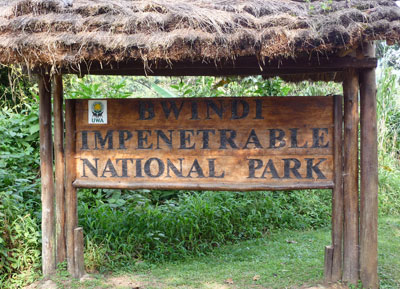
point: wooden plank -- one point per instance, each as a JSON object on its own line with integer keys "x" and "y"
{"x": 59, "y": 168}
{"x": 350, "y": 179}
{"x": 78, "y": 253}
{"x": 206, "y": 143}
{"x": 369, "y": 177}
{"x": 329, "y": 251}
{"x": 46, "y": 170}
{"x": 70, "y": 191}
{"x": 241, "y": 66}
{"x": 198, "y": 186}
{"x": 337, "y": 194}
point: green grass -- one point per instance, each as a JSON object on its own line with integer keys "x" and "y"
{"x": 389, "y": 252}
{"x": 284, "y": 259}
{"x": 280, "y": 260}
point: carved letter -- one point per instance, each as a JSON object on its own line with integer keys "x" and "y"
{"x": 108, "y": 138}
{"x": 92, "y": 168}
{"x": 319, "y": 138}
{"x": 172, "y": 107}
{"x": 245, "y": 111}
{"x": 314, "y": 168}
{"x": 123, "y": 139}
{"x": 294, "y": 169}
{"x": 254, "y": 164}
{"x": 273, "y": 138}
{"x": 109, "y": 168}
{"x": 146, "y": 110}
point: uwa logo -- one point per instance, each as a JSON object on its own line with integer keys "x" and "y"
{"x": 97, "y": 111}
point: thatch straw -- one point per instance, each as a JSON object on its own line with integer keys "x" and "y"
{"x": 41, "y": 32}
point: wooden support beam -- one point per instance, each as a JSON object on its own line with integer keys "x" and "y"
{"x": 350, "y": 179}
{"x": 369, "y": 177}
{"x": 59, "y": 167}
{"x": 329, "y": 251}
{"x": 71, "y": 213}
{"x": 78, "y": 253}
{"x": 46, "y": 170}
{"x": 337, "y": 193}
{"x": 193, "y": 186}
{"x": 241, "y": 66}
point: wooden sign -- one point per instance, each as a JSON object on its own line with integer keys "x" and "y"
{"x": 238, "y": 143}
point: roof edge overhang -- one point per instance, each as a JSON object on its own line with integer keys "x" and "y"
{"x": 242, "y": 66}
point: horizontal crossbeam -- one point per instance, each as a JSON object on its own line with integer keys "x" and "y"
{"x": 242, "y": 66}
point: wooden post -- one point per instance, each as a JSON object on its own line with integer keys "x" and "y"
{"x": 59, "y": 167}
{"x": 70, "y": 192}
{"x": 350, "y": 178}
{"x": 78, "y": 253}
{"x": 337, "y": 194}
{"x": 328, "y": 264}
{"x": 369, "y": 177}
{"x": 46, "y": 170}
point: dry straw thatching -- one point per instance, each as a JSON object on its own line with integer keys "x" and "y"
{"x": 69, "y": 32}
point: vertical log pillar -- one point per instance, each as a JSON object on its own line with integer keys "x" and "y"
{"x": 350, "y": 178}
{"x": 46, "y": 170}
{"x": 70, "y": 192}
{"x": 369, "y": 177}
{"x": 59, "y": 167}
{"x": 328, "y": 264}
{"x": 337, "y": 194}
{"x": 78, "y": 250}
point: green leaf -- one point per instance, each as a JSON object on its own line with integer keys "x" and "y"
{"x": 34, "y": 128}
{"x": 162, "y": 91}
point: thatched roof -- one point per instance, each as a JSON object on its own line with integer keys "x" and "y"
{"x": 68, "y": 32}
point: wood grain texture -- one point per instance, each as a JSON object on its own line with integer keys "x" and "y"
{"x": 58, "y": 101}
{"x": 350, "y": 179}
{"x": 207, "y": 143}
{"x": 369, "y": 177}
{"x": 241, "y": 66}
{"x": 199, "y": 186}
{"x": 47, "y": 180}
{"x": 337, "y": 194}
{"x": 328, "y": 261}
{"x": 70, "y": 191}
{"x": 78, "y": 253}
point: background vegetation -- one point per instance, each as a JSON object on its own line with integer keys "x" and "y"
{"x": 123, "y": 228}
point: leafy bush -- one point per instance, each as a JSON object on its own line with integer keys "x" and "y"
{"x": 131, "y": 227}
{"x": 15, "y": 88}
{"x": 19, "y": 243}
{"x": 388, "y": 110}
{"x": 209, "y": 86}
{"x": 19, "y": 197}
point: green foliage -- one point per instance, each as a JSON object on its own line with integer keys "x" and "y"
{"x": 162, "y": 91}
{"x": 389, "y": 56}
{"x": 130, "y": 226}
{"x": 19, "y": 242}
{"x": 19, "y": 197}
{"x": 318, "y": 88}
{"x": 115, "y": 87}
{"x": 208, "y": 86}
{"x": 91, "y": 88}
{"x": 15, "y": 89}
{"x": 19, "y": 154}
{"x": 389, "y": 184}
{"x": 326, "y": 5}
{"x": 388, "y": 112}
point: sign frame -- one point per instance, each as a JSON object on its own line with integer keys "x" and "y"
{"x": 71, "y": 155}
